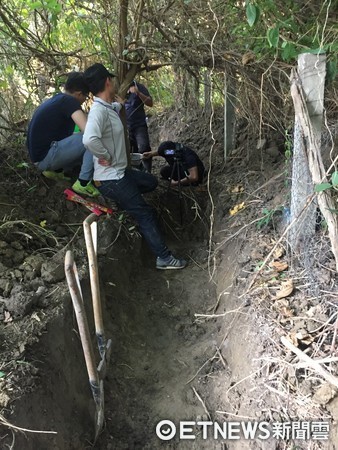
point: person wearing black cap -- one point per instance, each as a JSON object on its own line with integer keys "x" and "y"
{"x": 51, "y": 143}
{"x": 104, "y": 137}
{"x": 190, "y": 171}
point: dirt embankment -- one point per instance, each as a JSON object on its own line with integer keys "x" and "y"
{"x": 201, "y": 344}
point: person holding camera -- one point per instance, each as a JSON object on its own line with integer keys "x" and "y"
{"x": 104, "y": 137}
{"x": 138, "y": 96}
{"x": 183, "y": 167}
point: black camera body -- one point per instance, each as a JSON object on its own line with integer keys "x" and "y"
{"x": 176, "y": 152}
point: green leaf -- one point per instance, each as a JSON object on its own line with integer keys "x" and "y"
{"x": 2, "y": 374}
{"x": 22, "y": 165}
{"x": 315, "y": 51}
{"x": 252, "y": 13}
{"x": 331, "y": 70}
{"x": 322, "y": 187}
{"x": 35, "y": 5}
{"x": 334, "y": 178}
{"x": 9, "y": 70}
{"x": 288, "y": 51}
{"x": 32, "y": 188}
{"x": 273, "y": 36}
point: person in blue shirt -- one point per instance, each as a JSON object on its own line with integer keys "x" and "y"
{"x": 52, "y": 144}
{"x": 138, "y": 96}
{"x": 189, "y": 169}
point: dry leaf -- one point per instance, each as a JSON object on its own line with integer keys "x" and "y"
{"x": 8, "y": 317}
{"x": 237, "y": 189}
{"x": 248, "y": 58}
{"x": 236, "y": 208}
{"x": 279, "y": 265}
{"x": 282, "y": 303}
{"x": 292, "y": 338}
{"x": 278, "y": 253}
{"x": 286, "y": 312}
{"x": 285, "y": 290}
{"x": 268, "y": 276}
{"x": 36, "y": 317}
{"x": 304, "y": 337}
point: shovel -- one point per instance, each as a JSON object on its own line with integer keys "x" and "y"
{"x": 90, "y": 232}
{"x": 95, "y": 382}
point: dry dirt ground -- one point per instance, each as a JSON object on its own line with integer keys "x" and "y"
{"x": 201, "y": 344}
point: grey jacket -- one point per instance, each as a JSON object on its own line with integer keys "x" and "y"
{"x": 104, "y": 137}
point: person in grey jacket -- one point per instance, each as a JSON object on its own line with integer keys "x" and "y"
{"x": 104, "y": 137}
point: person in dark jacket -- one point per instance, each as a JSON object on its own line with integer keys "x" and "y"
{"x": 189, "y": 169}
{"x": 137, "y": 97}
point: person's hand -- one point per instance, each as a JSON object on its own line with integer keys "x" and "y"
{"x": 104, "y": 162}
{"x": 133, "y": 89}
{"x": 174, "y": 183}
{"x": 120, "y": 99}
{"x": 147, "y": 155}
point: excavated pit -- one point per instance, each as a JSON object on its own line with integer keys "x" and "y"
{"x": 157, "y": 354}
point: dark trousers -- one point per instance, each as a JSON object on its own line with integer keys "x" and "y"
{"x": 127, "y": 193}
{"x": 139, "y": 143}
{"x": 168, "y": 172}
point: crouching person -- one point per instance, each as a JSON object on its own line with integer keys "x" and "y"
{"x": 51, "y": 143}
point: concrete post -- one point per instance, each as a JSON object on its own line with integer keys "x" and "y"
{"x": 311, "y": 72}
{"x": 229, "y": 116}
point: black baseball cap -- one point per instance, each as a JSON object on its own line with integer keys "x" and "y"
{"x": 96, "y": 73}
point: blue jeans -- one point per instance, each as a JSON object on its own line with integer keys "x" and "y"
{"x": 68, "y": 153}
{"x": 127, "y": 192}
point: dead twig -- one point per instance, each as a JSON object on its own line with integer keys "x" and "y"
{"x": 334, "y": 335}
{"x": 311, "y": 362}
{"x": 213, "y": 316}
{"x": 202, "y": 402}
{"x": 5, "y": 422}
{"x": 236, "y": 415}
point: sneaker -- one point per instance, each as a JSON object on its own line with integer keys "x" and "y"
{"x": 56, "y": 176}
{"x": 88, "y": 190}
{"x": 170, "y": 263}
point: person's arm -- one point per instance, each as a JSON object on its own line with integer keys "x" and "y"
{"x": 118, "y": 104}
{"x": 146, "y": 99}
{"x": 92, "y": 137}
{"x": 191, "y": 178}
{"x": 80, "y": 119}
{"x": 147, "y": 155}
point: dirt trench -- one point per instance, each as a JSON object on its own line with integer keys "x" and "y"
{"x": 166, "y": 363}
{"x": 161, "y": 358}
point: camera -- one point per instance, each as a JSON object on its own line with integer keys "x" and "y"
{"x": 169, "y": 152}
{"x": 176, "y": 152}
